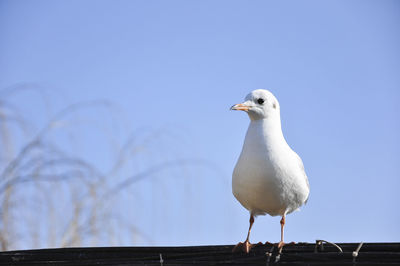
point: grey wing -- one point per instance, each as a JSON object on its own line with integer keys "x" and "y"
{"x": 300, "y": 162}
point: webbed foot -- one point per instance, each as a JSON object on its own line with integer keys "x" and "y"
{"x": 245, "y": 246}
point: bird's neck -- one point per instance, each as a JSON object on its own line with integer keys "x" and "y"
{"x": 269, "y": 128}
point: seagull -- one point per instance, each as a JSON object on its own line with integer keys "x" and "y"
{"x": 269, "y": 177}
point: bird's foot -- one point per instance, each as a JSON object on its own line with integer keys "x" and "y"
{"x": 281, "y": 244}
{"x": 245, "y": 246}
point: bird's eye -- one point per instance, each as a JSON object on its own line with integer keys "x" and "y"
{"x": 260, "y": 101}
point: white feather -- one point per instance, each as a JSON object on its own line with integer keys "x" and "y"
{"x": 269, "y": 176}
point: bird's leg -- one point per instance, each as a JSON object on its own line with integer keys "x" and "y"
{"x": 245, "y": 246}
{"x": 251, "y": 221}
{"x": 281, "y": 243}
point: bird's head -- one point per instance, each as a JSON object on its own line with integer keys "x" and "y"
{"x": 259, "y": 104}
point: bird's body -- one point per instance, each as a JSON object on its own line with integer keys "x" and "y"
{"x": 269, "y": 177}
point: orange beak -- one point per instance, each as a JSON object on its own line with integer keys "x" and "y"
{"x": 240, "y": 107}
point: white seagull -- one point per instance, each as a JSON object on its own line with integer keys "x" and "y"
{"x": 269, "y": 176}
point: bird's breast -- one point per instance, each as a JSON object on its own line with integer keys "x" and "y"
{"x": 265, "y": 178}
{"x": 256, "y": 186}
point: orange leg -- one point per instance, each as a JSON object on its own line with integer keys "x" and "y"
{"x": 281, "y": 243}
{"x": 251, "y": 221}
{"x": 246, "y": 245}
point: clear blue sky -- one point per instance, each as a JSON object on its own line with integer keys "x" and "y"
{"x": 179, "y": 65}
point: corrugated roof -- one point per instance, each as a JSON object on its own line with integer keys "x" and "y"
{"x": 298, "y": 254}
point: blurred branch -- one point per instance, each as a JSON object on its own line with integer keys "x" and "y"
{"x": 153, "y": 170}
{"x": 66, "y": 197}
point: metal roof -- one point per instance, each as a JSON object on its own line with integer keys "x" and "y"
{"x": 320, "y": 253}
